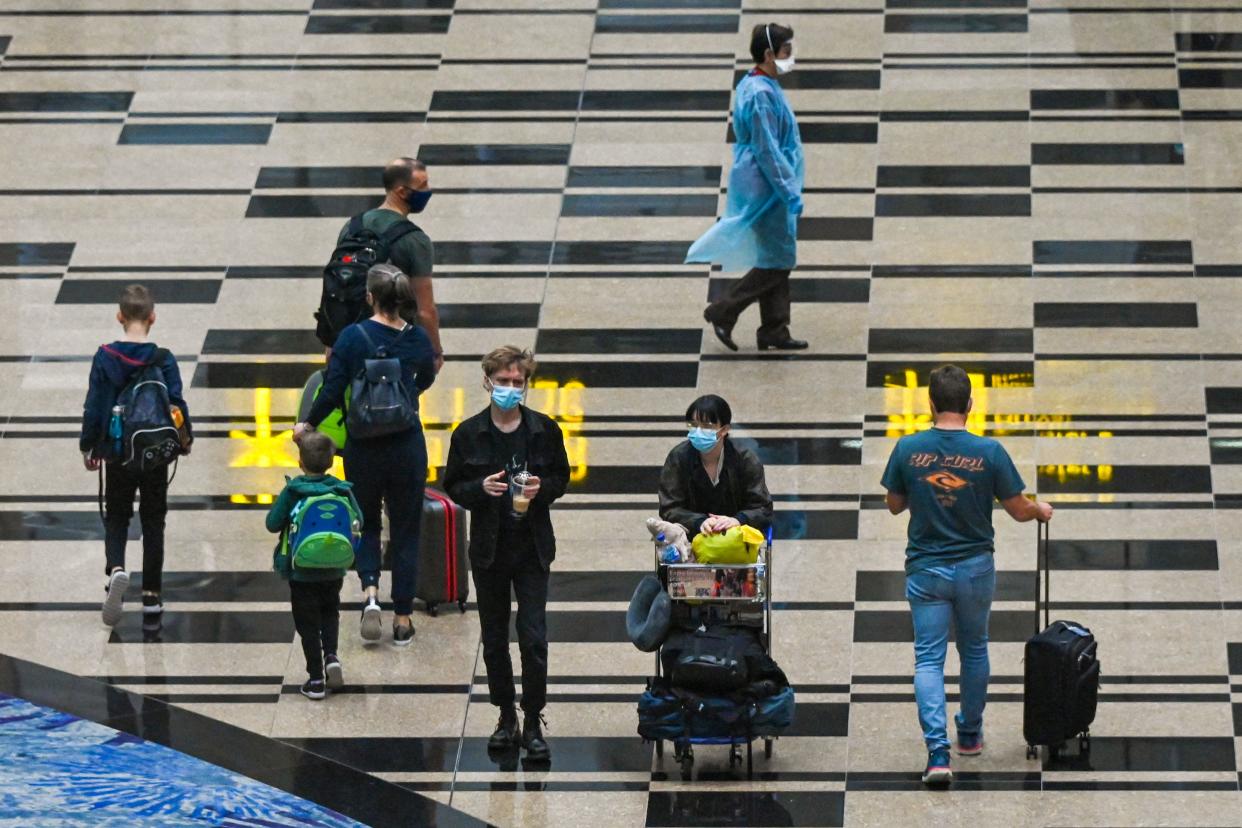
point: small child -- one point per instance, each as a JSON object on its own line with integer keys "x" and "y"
{"x": 112, "y": 369}
{"x": 315, "y": 593}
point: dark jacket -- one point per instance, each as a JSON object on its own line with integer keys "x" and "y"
{"x": 296, "y": 490}
{"x": 349, "y": 356}
{"x": 474, "y": 455}
{"x": 687, "y": 496}
{"x": 110, "y": 372}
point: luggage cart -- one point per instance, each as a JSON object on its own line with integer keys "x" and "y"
{"x": 738, "y": 593}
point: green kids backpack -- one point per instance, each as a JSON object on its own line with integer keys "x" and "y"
{"x": 323, "y": 533}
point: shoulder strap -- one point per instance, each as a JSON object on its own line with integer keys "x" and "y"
{"x": 355, "y": 225}
{"x": 159, "y": 357}
{"x": 396, "y": 231}
{"x": 370, "y": 342}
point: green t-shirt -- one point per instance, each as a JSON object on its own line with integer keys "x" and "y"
{"x": 950, "y": 479}
{"x": 413, "y": 252}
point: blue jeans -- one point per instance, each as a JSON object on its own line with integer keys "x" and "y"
{"x": 960, "y": 592}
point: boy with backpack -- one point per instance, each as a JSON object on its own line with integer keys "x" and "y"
{"x": 135, "y": 422}
{"x": 319, "y": 521}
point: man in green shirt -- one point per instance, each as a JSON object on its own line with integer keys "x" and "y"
{"x": 407, "y": 190}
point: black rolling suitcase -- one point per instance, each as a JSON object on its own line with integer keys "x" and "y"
{"x": 443, "y": 574}
{"x": 1061, "y": 674}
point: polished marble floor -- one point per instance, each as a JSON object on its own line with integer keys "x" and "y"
{"x": 1046, "y": 191}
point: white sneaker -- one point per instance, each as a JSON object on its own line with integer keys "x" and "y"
{"x": 372, "y": 627}
{"x": 117, "y": 584}
{"x": 334, "y": 675}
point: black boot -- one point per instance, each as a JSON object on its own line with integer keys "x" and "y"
{"x": 507, "y": 734}
{"x": 723, "y": 332}
{"x": 786, "y": 344}
{"x": 532, "y": 738}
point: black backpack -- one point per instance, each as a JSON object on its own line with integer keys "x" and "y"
{"x": 344, "y": 298}
{"x": 379, "y": 402}
{"x": 149, "y": 438}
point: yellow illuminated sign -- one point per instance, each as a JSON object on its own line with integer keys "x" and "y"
{"x": 265, "y": 448}
{"x": 910, "y": 395}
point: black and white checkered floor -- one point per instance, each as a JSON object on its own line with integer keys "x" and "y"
{"x": 1046, "y": 192}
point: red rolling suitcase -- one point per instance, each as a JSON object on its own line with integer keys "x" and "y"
{"x": 443, "y": 573}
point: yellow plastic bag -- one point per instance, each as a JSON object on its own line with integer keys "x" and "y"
{"x": 739, "y": 545}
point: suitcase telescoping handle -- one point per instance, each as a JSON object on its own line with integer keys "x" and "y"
{"x": 1042, "y": 567}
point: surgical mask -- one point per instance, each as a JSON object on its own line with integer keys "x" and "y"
{"x": 417, "y": 200}
{"x": 506, "y": 398}
{"x": 783, "y": 65}
{"x": 703, "y": 439}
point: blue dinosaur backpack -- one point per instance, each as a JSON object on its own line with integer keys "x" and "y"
{"x": 323, "y": 533}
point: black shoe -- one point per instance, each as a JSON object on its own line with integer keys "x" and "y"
{"x": 151, "y": 604}
{"x": 314, "y": 689}
{"x": 507, "y": 734}
{"x": 787, "y": 344}
{"x": 403, "y": 634}
{"x": 332, "y": 669}
{"x": 532, "y": 738}
{"x": 725, "y": 335}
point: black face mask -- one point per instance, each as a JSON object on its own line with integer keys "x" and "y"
{"x": 417, "y": 200}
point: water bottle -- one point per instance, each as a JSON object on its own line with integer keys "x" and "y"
{"x": 668, "y": 552}
{"x": 116, "y": 430}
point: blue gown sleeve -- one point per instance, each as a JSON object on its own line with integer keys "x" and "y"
{"x": 772, "y": 163}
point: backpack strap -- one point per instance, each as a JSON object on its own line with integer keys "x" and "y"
{"x": 355, "y": 225}
{"x": 371, "y": 349}
{"x": 395, "y": 232}
{"x": 381, "y": 352}
{"x": 159, "y": 357}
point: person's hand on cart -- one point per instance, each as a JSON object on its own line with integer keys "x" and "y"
{"x": 715, "y": 524}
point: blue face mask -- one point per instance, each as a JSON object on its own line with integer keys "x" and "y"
{"x": 506, "y": 398}
{"x": 703, "y": 439}
{"x": 417, "y": 200}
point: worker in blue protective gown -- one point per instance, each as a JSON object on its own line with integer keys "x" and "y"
{"x": 759, "y": 230}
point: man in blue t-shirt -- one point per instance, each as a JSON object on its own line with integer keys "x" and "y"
{"x": 948, "y": 478}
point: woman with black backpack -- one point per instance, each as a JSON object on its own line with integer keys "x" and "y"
{"x": 384, "y": 364}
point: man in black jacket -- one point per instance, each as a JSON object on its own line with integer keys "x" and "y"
{"x": 511, "y": 542}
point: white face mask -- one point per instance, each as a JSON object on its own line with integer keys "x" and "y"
{"x": 783, "y": 65}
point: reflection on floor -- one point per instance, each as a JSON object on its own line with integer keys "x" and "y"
{"x": 56, "y": 769}
{"x": 1047, "y": 192}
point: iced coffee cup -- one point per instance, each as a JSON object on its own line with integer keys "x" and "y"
{"x": 517, "y": 491}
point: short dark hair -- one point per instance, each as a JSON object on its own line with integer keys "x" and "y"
{"x": 136, "y": 304}
{"x": 710, "y": 409}
{"x": 949, "y": 389}
{"x": 759, "y": 39}
{"x": 398, "y": 171}
{"x": 315, "y": 451}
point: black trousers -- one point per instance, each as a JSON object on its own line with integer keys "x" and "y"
{"x": 390, "y": 471}
{"x": 524, "y": 576}
{"x": 316, "y": 616}
{"x": 770, "y": 288}
{"x": 120, "y": 486}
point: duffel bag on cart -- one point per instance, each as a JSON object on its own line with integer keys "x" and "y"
{"x": 667, "y": 713}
